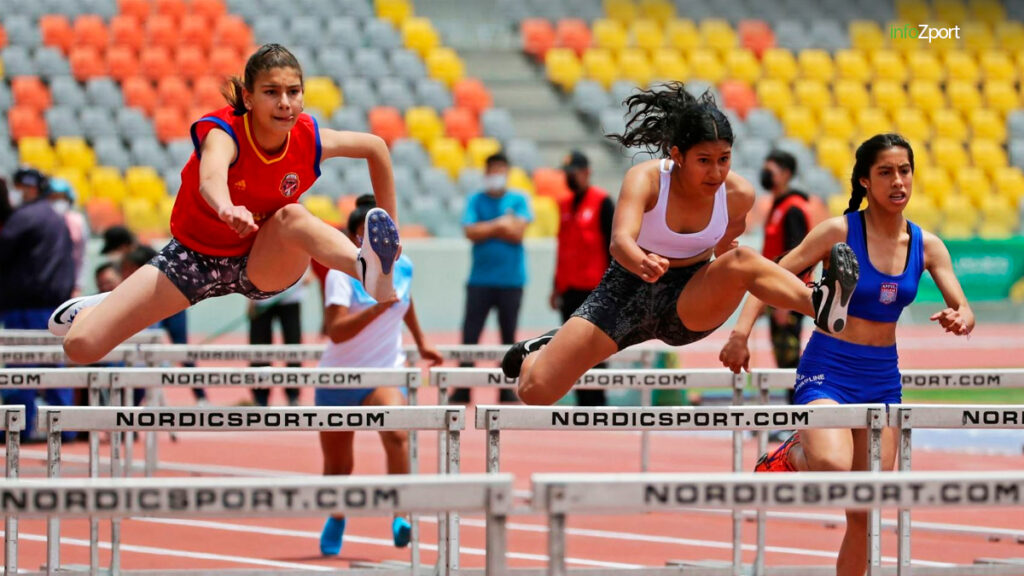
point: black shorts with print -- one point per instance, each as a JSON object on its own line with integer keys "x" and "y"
{"x": 199, "y": 276}
{"x": 630, "y": 310}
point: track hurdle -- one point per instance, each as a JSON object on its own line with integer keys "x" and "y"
{"x": 872, "y": 417}
{"x": 12, "y": 423}
{"x": 9, "y": 337}
{"x": 448, "y": 421}
{"x": 116, "y": 498}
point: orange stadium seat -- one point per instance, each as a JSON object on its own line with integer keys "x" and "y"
{"x": 122, "y": 62}
{"x": 126, "y": 31}
{"x": 682, "y": 35}
{"x": 738, "y": 96}
{"x": 226, "y": 61}
{"x": 162, "y": 30}
{"x": 779, "y": 64}
{"x": 387, "y": 123}
{"x": 90, "y": 30}
{"x": 56, "y": 31}
{"x": 646, "y": 34}
{"x": 194, "y": 30}
{"x": 470, "y": 93}
{"x": 461, "y": 124}
{"x": 448, "y": 155}
{"x": 231, "y": 31}
{"x": 173, "y": 8}
{"x": 207, "y": 92}
{"x": 156, "y": 62}
{"x": 668, "y": 64}
{"x": 3, "y": 36}
{"x": 139, "y": 93}
{"x": 209, "y": 9}
{"x": 423, "y": 124}
{"x": 538, "y": 36}
{"x": 756, "y": 36}
{"x": 30, "y": 92}
{"x": 573, "y": 33}
{"x": 550, "y": 182}
{"x": 102, "y": 214}
{"x": 170, "y": 123}
{"x": 86, "y": 62}
{"x": 138, "y": 9}
{"x": 852, "y": 65}
{"x": 173, "y": 91}
{"x": 191, "y": 61}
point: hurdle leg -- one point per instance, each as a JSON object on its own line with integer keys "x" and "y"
{"x": 556, "y": 532}
{"x": 414, "y": 468}
{"x": 442, "y": 468}
{"x": 14, "y": 421}
{"x": 903, "y": 520}
{"x": 737, "y": 466}
{"x": 875, "y": 515}
{"x": 128, "y": 396}
{"x": 94, "y": 472}
{"x": 493, "y": 443}
{"x": 645, "y": 436}
{"x": 117, "y": 398}
{"x": 762, "y": 515}
{"x": 453, "y": 441}
{"x": 53, "y": 443}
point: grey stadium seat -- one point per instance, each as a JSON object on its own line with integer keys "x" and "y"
{"x": 407, "y": 64}
{"x": 344, "y": 31}
{"x": 612, "y": 121}
{"x": 62, "y": 121}
{"x": 132, "y": 123}
{"x": 436, "y": 183}
{"x": 408, "y": 152}
{"x": 104, "y": 93}
{"x": 395, "y": 92}
{"x": 371, "y": 63}
{"x": 179, "y": 151}
{"x": 8, "y": 157}
{"x": 22, "y": 31}
{"x": 335, "y": 62}
{"x": 621, "y": 90}
{"x": 66, "y": 91}
{"x": 49, "y": 62}
{"x": 753, "y": 150}
{"x": 6, "y": 100}
{"x": 357, "y": 8}
{"x": 97, "y": 122}
{"x": 308, "y": 60}
{"x": 762, "y": 123}
{"x": 149, "y": 152}
{"x": 359, "y": 92}
{"x": 524, "y": 153}
{"x": 1016, "y": 123}
{"x": 328, "y": 184}
{"x": 381, "y": 34}
{"x": 357, "y": 182}
{"x": 319, "y": 8}
{"x": 405, "y": 181}
{"x": 349, "y": 118}
{"x": 104, "y": 8}
{"x": 17, "y": 61}
{"x": 471, "y": 180}
{"x": 497, "y": 123}
{"x": 1017, "y": 152}
{"x": 110, "y": 151}
{"x": 433, "y": 93}
{"x": 267, "y": 29}
{"x": 829, "y": 34}
{"x": 306, "y": 31}
{"x": 792, "y": 35}
{"x": 172, "y": 179}
{"x": 739, "y": 127}
{"x": 590, "y": 98}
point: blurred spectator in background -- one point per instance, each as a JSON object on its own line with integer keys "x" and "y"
{"x": 107, "y": 277}
{"x": 286, "y": 307}
{"x": 584, "y": 244}
{"x": 495, "y": 221}
{"x": 117, "y": 242}
{"x": 5, "y": 203}
{"x": 63, "y": 200}
{"x": 37, "y": 275}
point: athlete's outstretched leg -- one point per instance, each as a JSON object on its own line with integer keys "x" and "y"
{"x": 550, "y": 372}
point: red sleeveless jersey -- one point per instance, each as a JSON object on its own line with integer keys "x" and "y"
{"x": 261, "y": 183}
{"x": 582, "y": 247}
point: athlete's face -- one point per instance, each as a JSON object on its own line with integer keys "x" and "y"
{"x": 890, "y": 180}
{"x": 276, "y": 99}
{"x": 704, "y": 166}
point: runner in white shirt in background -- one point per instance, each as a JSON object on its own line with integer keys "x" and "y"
{"x": 350, "y": 311}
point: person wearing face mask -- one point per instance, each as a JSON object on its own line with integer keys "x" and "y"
{"x": 584, "y": 240}
{"x": 38, "y": 274}
{"x": 495, "y": 221}
{"x": 62, "y": 200}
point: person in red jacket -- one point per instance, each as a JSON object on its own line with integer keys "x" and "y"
{"x": 584, "y": 241}
{"x": 237, "y": 224}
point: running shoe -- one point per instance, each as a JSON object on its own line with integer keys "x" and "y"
{"x": 377, "y": 254}
{"x": 330, "y": 538}
{"x": 401, "y": 531}
{"x": 831, "y": 296}
{"x": 512, "y": 363}
{"x": 61, "y": 319}
{"x": 778, "y": 460}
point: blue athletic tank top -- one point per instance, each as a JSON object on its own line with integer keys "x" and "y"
{"x": 881, "y": 297}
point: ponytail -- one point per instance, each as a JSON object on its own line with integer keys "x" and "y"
{"x": 867, "y": 154}
{"x": 667, "y": 115}
{"x": 267, "y": 57}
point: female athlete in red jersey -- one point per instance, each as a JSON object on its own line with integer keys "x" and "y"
{"x": 237, "y": 225}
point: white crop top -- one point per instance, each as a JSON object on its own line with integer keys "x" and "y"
{"x": 655, "y": 235}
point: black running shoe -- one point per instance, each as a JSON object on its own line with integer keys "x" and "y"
{"x": 831, "y": 296}
{"x": 513, "y": 360}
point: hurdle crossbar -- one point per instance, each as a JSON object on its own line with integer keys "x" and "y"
{"x": 965, "y": 379}
{"x": 15, "y": 337}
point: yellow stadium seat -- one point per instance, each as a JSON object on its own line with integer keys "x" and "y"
{"x": 1001, "y": 96}
{"x": 669, "y": 65}
{"x": 144, "y": 182}
{"x": 837, "y": 204}
{"x": 394, "y": 11}
{"x": 961, "y": 65}
{"x": 925, "y": 65}
{"x": 718, "y": 34}
{"x": 322, "y": 207}
{"x": 74, "y": 152}
{"x": 871, "y": 121}
{"x": 912, "y": 124}
{"x": 933, "y": 182}
{"x": 622, "y": 11}
{"x": 445, "y": 65}
{"x": 950, "y": 11}
{"x": 989, "y": 11}
{"x": 963, "y": 95}
{"x": 903, "y": 37}
{"x": 682, "y": 34}
{"x": 610, "y": 34}
{"x": 851, "y": 95}
{"x": 546, "y": 218}
{"x": 948, "y": 123}
{"x": 742, "y": 64}
{"x": 599, "y": 65}
{"x": 866, "y": 36}
{"x": 657, "y": 10}
{"x": 165, "y": 207}
{"x": 987, "y": 124}
{"x": 926, "y": 95}
{"x": 478, "y": 149}
{"x": 888, "y": 65}
{"x": 988, "y": 155}
{"x": 419, "y": 35}
{"x": 563, "y": 68}
{"x": 1, "y": 68}
{"x": 799, "y": 123}
{"x": 646, "y": 33}
{"x": 321, "y": 94}
{"x": 996, "y": 65}
{"x": 518, "y": 179}
{"x": 924, "y": 212}
{"x": 960, "y": 218}
{"x": 972, "y": 183}
{"x": 813, "y": 95}
{"x": 913, "y": 11}
{"x": 423, "y": 124}
{"x": 779, "y": 64}
{"x": 852, "y": 65}
{"x": 447, "y": 154}
{"x": 836, "y": 123}
{"x": 106, "y": 182}
{"x": 949, "y": 154}
{"x": 635, "y": 66}
{"x": 977, "y": 37}
{"x": 997, "y": 229}
{"x": 1009, "y": 35}
{"x": 816, "y": 64}
{"x": 143, "y": 216}
{"x": 705, "y": 65}
{"x": 888, "y": 95}
{"x": 774, "y": 95}
{"x": 922, "y": 157}
{"x": 37, "y": 153}
{"x": 1009, "y": 182}
{"x": 834, "y": 154}
{"x": 76, "y": 178}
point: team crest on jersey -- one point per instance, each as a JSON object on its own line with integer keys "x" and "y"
{"x": 289, "y": 184}
{"x": 888, "y": 293}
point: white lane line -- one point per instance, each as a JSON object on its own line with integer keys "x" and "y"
{"x": 180, "y": 553}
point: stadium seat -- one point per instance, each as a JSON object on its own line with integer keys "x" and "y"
{"x": 394, "y": 11}
{"x": 562, "y": 68}
{"x": 888, "y": 65}
{"x": 405, "y": 64}
{"x": 622, "y": 11}
{"x": 987, "y": 124}
{"x": 144, "y": 182}
{"x": 973, "y": 184}
{"x": 56, "y": 31}
{"x": 837, "y": 123}
{"x": 30, "y": 92}
{"x": 669, "y": 64}
{"x": 682, "y": 35}
{"x": 497, "y": 123}
{"x": 434, "y": 94}
{"x": 423, "y": 124}
{"x": 106, "y": 182}
{"x": 925, "y": 65}
{"x": 1009, "y": 182}
{"x": 988, "y": 155}
{"x": 121, "y": 62}
{"x": 226, "y": 61}
{"x": 191, "y": 61}
{"x": 718, "y": 34}
{"x": 445, "y": 65}
{"x": 550, "y": 182}
{"x": 102, "y": 213}
{"x": 162, "y": 30}
{"x": 569, "y": 33}
{"x": 86, "y": 62}
{"x": 779, "y": 64}
{"x": 461, "y": 124}
{"x": 174, "y": 9}
{"x": 470, "y": 93}
{"x": 961, "y": 65}
{"x": 1001, "y": 96}
{"x": 207, "y": 92}
{"x": 913, "y": 124}
{"x": 949, "y": 154}
{"x": 91, "y": 31}
{"x": 775, "y": 95}
{"x": 478, "y": 149}
{"x": 960, "y": 218}
{"x": 866, "y": 36}
{"x": 997, "y": 65}
{"x": 812, "y": 95}
{"x": 524, "y": 152}
{"x": 387, "y": 123}
{"x": 609, "y": 34}
{"x": 1010, "y": 35}
{"x": 78, "y": 181}
{"x": 170, "y": 124}
{"x": 538, "y": 36}
{"x": 888, "y": 95}
{"x": 448, "y": 155}
{"x": 976, "y": 37}
{"x": 924, "y": 212}
{"x": 62, "y": 122}
{"x": 634, "y": 66}
{"x": 418, "y": 35}
{"x": 110, "y": 151}
{"x": 137, "y": 9}
{"x": 706, "y": 65}
{"x": 321, "y": 94}
{"x": 657, "y": 10}
{"x": 156, "y": 62}
{"x": 932, "y": 182}
{"x": 24, "y": 121}
{"x": 756, "y": 36}
{"x": 799, "y": 123}
{"x": 852, "y": 65}
{"x": 871, "y": 121}
{"x": 815, "y": 64}
{"x": 927, "y": 96}
{"x": 139, "y": 93}
{"x": 211, "y": 10}
{"x": 173, "y": 91}
{"x": 742, "y": 64}
{"x": 230, "y": 32}
{"x": 36, "y": 152}
{"x": 738, "y": 96}
{"x": 646, "y": 34}
{"x": 963, "y": 96}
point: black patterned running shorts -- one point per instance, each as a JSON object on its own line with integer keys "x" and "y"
{"x": 630, "y": 310}
{"x": 199, "y": 276}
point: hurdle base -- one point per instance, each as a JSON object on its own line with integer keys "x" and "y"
{"x": 999, "y": 567}
{"x": 352, "y": 571}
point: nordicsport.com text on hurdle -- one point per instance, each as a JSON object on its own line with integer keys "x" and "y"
{"x": 250, "y": 419}
{"x": 722, "y": 419}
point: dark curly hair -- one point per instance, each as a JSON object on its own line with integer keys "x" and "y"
{"x": 667, "y": 115}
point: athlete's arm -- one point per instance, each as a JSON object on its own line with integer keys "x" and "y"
{"x": 427, "y": 352}
{"x": 218, "y": 151}
{"x": 739, "y": 195}
{"x": 342, "y": 324}
{"x": 629, "y": 214}
{"x": 957, "y": 317}
{"x": 335, "y": 143}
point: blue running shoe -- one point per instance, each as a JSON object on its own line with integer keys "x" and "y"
{"x": 378, "y": 253}
{"x": 330, "y": 538}
{"x": 401, "y": 531}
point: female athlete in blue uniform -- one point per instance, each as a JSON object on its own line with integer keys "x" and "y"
{"x": 860, "y": 365}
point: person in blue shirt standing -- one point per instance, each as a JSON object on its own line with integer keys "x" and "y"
{"x": 495, "y": 221}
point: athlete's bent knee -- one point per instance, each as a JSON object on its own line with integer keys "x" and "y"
{"x": 536, "y": 392}
{"x": 831, "y": 462}
{"x": 291, "y": 214}
{"x": 83, "y": 350}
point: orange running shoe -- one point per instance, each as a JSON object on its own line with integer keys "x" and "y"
{"x": 778, "y": 460}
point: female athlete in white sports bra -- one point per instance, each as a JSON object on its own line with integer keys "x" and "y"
{"x": 671, "y": 216}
